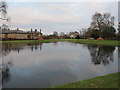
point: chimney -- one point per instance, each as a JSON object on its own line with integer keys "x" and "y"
{"x": 35, "y": 30}
{"x": 17, "y": 29}
{"x": 8, "y": 29}
{"x": 31, "y": 29}
{"x": 40, "y": 30}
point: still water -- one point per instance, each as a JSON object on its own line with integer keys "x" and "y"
{"x": 43, "y": 65}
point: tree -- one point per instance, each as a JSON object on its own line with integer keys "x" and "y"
{"x": 77, "y": 37}
{"x": 83, "y": 33}
{"x": 95, "y": 33}
{"x": 3, "y": 14}
{"x": 88, "y": 33}
{"x": 55, "y": 33}
{"x": 3, "y": 19}
{"x": 62, "y": 34}
{"x": 109, "y": 32}
{"x": 3, "y": 10}
{"x": 118, "y": 34}
{"x": 100, "y": 21}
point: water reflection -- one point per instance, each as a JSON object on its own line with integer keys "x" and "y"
{"x": 6, "y": 72}
{"x": 119, "y": 58}
{"x": 8, "y": 47}
{"x": 35, "y": 66}
{"x": 101, "y": 54}
{"x": 118, "y": 52}
{"x": 55, "y": 43}
{"x": 5, "y": 69}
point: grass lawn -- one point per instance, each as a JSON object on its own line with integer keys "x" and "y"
{"x": 82, "y": 41}
{"x": 28, "y": 41}
{"x": 107, "y": 81}
{"x": 94, "y": 42}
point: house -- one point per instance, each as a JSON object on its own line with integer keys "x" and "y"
{"x": 8, "y": 34}
{"x": 73, "y": 35}
{"x": 14, "y": 34}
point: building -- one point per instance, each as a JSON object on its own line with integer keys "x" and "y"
{"x": 34, "y": 34}
{"x": 17, "y": 34}
{"x": 73, "y": 35}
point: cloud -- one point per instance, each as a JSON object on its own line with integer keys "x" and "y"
{"x": 23, "y": 15}
{"x": 56, "y": 16}
{"x": 62, "y": 0}
{"x": 119, "y": 11}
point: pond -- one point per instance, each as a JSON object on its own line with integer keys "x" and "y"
{"x": 43, "y": 65}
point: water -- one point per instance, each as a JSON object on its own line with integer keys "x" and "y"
{"x": 43, "y": 65}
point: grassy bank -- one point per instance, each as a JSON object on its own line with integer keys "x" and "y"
{"x": 82, "y": 41}
{"x": 107, "y": 81}
{"x": 29, "y": 41}
{"x": 93, "y": 42}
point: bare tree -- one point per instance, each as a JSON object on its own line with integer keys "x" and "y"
{"x": 118, "y": 31}
{"x": 55, "y": 33}
{"x": 62, "y": 34}
{"x": 99, "y": 21}
{"x": 3, "y": 14}
{"x": 3, "y": 10}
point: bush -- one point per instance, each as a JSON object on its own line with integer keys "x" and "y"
{"x": 77, "y": 37}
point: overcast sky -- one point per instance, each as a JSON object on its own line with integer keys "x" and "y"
{"x": 57, "y": 16}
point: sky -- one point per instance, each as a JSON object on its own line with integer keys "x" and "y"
{"x": 57, "y": 15}
{"x": 119, "y": 11}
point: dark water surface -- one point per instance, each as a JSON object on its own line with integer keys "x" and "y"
{"x": 49, "y": 64}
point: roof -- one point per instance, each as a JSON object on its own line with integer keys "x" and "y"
{"x": 18, "y": 32}
{"x": 35, "y": 32}
{"x": 13, "y": 31}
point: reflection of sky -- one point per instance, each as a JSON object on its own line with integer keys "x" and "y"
{"x": 57, "y": 16}
{"x": 56, "y": 64}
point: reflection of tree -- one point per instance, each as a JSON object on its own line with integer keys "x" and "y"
{"x": 118, "y": 52}
{"x": 41, "y": 46}
{"x": 5, "y": 68}
{"x": 55, "y": 43}
{"x": 119, "y": 58}
{"x": 101, "y": 54}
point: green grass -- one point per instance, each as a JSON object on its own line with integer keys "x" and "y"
{"x": 81, "y": 41}
{"x": 107, "y": 81}
{"x": 29, "y": 41}
{"x": 93, "y": 42}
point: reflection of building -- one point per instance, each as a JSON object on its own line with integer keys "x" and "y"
{"x": 7, "y": 48}
{"x": 19, "y": 34}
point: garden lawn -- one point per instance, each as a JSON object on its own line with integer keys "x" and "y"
{"x": 107, "y": 81}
